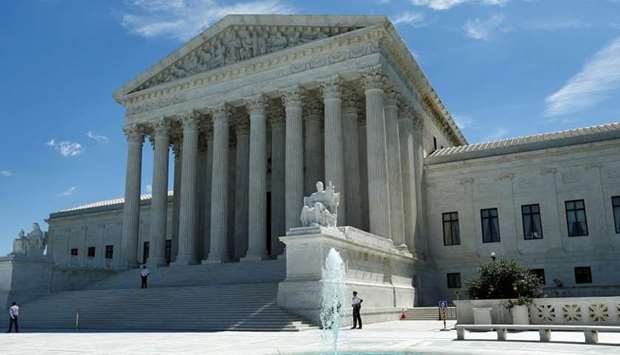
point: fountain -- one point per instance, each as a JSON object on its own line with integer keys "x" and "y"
{"x": 332, "y": 298}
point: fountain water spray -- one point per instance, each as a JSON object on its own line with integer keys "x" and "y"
{"x": 332, "y": 298}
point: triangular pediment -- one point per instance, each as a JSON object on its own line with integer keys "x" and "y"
{"x": 237, "y": 38}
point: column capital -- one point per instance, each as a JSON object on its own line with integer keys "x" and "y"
{"x": 313, "y": 110}
{"x": 373, "y": 78}
{"x": 134, "y": 133}
{"x": 242, "y": 126}
{"x": 255, "y": 104}
{"x": 221, "y": 115}
{"x": 276, "y": 116}
{"x": 190, "y": 120}
{"x": 331, "y": 87}
{"x": 350, "y": 104}
{"x": 220, "y": 111}
{"x": 292, "y": 96}
{"x": 161, "y": 128}
{"x": 392, "y": 97}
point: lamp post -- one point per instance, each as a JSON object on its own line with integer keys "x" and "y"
{"x": 493, "y": 256}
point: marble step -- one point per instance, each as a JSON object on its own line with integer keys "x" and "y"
{"x": 218, "y": 307}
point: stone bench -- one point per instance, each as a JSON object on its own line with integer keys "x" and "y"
{"x": 544, "y": 330}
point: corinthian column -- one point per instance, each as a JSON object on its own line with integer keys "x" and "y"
{"x": 257, "y": 207}
{"x": 352, "y": 161}
{"x": 334, "y": 159}
{"x": 241, "y": 186}
{"x": 294, "y": 156}
{"x": 176, "y": 149}
{"x": 218, "y": 250}
{"x": 188, "y": 210}
{"x": 131, "y": 208}
{"x": 378, "y": 194}
{"x": 394, "y": 168}
{"x": 278, "y": 193}
{"x": 313, "y": 157}
{"x": 159, "y": 200}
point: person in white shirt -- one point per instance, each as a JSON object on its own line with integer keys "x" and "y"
{"x": 356, "y": 303}
{"x": 144, "y": 275}
{"x": 13, "y": 315}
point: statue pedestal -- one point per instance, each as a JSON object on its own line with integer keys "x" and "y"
{"x": 380, "y": 272}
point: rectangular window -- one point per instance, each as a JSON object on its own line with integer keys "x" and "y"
{"x": 540, "y": 273}
{"x": 583, "y": 275}
{"x": 576, "y": 220}
{"x": 109, "y": 251}
{"x": 490, "y": 225}
{"x": 615, "y": 203}
{"x": 451, "y": 234}
{"x": 74, "y": 252}
{"x": 434, "y": 144}
{"x": 91, "y": 252}
{"x": 532, "y": 225}
{"x": 454, "y": 280}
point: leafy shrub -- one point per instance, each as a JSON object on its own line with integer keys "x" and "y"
{"x": 501, "y": 279}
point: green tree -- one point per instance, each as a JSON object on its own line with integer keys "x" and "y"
{"x": 502, "y": 279}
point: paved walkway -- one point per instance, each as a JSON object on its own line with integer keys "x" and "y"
{"x": 418, "y": 337}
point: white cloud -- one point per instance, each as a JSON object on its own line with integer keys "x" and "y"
{"x": 6, "y": 173}
{"x": 483, "y": 29}
{"x": 66, "y": 148}
{"x": 409, "y": 18}
{"x": 463, "y": 121}
{"x": 183, "y": 19}
{"x": 497, "y": 134}
{"x": 98, "y": 138}
{"x": 596, "y": 80}
{"x": 67, "y": 192}
{"x": 448, "y": 4}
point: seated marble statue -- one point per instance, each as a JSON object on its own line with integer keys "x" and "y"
{"x": 320, "y": 208}
{"x": 31, "y": 244}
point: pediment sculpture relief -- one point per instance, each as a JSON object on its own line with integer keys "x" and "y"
{"x": 237, "y": 44}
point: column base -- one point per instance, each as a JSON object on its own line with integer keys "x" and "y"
{"x": 212, "y": 261}
{"x": 183, "y": 261}
{"x": 254, "y": 258}
{"x": 156, "y": 262}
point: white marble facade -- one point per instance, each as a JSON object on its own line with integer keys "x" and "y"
{"x": 258, "y": 108}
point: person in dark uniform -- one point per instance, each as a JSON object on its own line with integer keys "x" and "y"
{"x": 356, "y": 303}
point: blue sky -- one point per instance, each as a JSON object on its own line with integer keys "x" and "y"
{"x": 503, "y": 68}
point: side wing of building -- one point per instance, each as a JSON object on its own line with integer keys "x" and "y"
{"x": 552, "y": 202}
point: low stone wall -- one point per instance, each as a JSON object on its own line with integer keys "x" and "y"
{"x": 381, "y": 273}
{"x": 23, "y": 279}
{"x": 565, "y": 310}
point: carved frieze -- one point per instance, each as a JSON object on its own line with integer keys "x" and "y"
{"x": 239, "y": 43}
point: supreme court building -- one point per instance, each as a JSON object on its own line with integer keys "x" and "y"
{"x": 255, "y": 110}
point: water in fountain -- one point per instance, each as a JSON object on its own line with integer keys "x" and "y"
{"x": 332, "y": 298}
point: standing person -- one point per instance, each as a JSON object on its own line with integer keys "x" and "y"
{"x": 13, "y": 315}
{"x": 144, "y": 275}
{"x": 356, "y": 303}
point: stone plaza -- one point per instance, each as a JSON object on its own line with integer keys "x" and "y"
{"x": 248, "y": 116}
{"x": 408, "y": 337}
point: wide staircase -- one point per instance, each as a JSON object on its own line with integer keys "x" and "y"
{"x": 235, "y": 296}
{"x": 429, "y": 313}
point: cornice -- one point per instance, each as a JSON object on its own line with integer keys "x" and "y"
{"x": 298, "y": 59}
